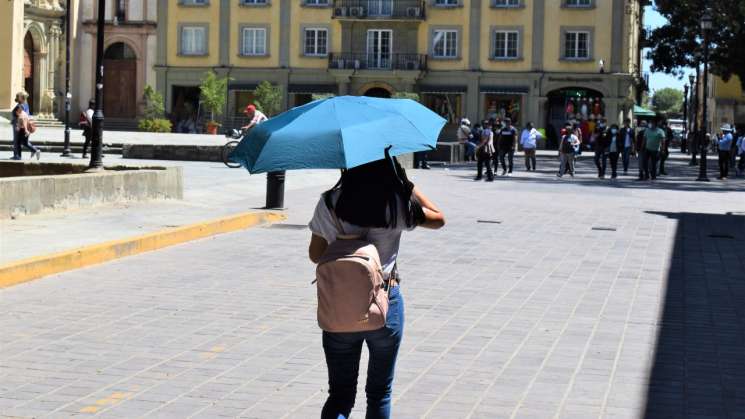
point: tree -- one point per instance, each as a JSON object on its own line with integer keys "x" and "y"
{"x": 678, "y": 44}
{"x": 213, "y": 92}
{"x": 154, "y": 104}
{"x": 668, "y": 101}
{"x": 268, "y": 98}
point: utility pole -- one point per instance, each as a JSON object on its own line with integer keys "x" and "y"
{"x": 96, "y": 163}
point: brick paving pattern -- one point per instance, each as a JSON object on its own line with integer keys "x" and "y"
{"x": 530, "y": 313}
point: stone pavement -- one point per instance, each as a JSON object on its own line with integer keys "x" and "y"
{"x": 541, "y": 298}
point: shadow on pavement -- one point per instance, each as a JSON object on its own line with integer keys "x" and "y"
{"x": 698, "y": 368}
{"x": 680, "y": 177}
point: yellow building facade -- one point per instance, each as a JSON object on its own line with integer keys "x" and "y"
{"x": 727, "y": 101}
{"x": 544, "y": 61}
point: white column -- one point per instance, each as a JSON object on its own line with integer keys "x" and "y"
{"x": 85, "y": 70}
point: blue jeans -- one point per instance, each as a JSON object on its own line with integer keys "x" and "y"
{"x": 343, "y": 352}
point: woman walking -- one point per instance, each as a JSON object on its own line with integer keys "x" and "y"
{"x": 23, "y": 131}
{"x": 378, "y": 202}
{"x": 21, "y": 100}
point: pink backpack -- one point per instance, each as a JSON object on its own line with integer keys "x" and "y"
{"x": 351, "y": 296}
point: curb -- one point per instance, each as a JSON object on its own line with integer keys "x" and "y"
{"x": 25, "y": 270}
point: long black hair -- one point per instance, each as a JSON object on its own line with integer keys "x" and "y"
{"x": 372, "y": 195}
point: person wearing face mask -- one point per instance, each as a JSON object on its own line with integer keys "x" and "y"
{"x": 602, "y": 141}
{"x": 616, "y": 144}
{"x": 653, "y": 144}
{"x": 626, "y": 137}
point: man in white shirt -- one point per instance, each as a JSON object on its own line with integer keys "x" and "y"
{"x": 529, "y": 142}
{"x": 740, "y": 150}
{"x": 254, "y": 116}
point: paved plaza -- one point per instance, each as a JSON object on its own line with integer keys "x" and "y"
{"x": 541, "y": 298}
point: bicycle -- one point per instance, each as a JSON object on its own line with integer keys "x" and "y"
{"x": 229, "y": 147}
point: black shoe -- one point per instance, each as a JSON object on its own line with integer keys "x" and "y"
{"x": 426, "y": 167}
{"x": 477, "y": 178}
{"x": 490, "y": 179}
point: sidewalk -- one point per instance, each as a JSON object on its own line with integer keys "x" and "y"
{"x": 211, "y": 190}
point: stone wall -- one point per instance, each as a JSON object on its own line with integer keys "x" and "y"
{"x": 36, "y": 191}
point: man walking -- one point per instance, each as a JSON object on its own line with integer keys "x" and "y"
{"x": 641, "y": 152}
{"x": 602, "y": 142}
{"x": 626, "y": 136}
{"x": 507, "y": 138}
{"x": 529, "y": 142}
{"x": 665, "y": 151}
{"x": 741, "y": 152}
{"x": 485, "y": 153}
{"x": 566, "y": 151}
{"x": 725, "y": 149}
{"x": 653, "y": 143}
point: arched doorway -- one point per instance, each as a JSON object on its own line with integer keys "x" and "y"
{"x": 378, "y": 92}
{"x": 582, "y": 105}
{"x": 29, "y": 70}
{"x": 120, "y": 81}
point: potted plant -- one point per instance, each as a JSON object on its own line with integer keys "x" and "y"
{"x": 153, "y": 116}
{"x": 213, "y": 93}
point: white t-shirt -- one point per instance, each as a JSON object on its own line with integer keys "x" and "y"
{"x": 259, "y": 117}
{"x": 386, "y": 240}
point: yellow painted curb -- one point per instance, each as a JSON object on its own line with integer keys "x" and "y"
{"x": 29, "y": 269}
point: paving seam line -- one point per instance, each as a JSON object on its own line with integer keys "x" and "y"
{"x": 25, "y": 270}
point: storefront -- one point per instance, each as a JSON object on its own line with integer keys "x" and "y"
{"x": 577, "y": 105}
{"x": 504, "y": 102}
{"x": 300, "y": 94}
{"x": 446, "y": 101}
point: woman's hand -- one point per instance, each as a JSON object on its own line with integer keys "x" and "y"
{"x": 433, "y": 217}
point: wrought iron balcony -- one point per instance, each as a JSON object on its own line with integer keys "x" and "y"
{"x": 349, "y": 61}
{"x": 379, "y": 9}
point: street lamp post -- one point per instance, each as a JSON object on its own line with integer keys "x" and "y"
{"x": 706, "y": 25}
{"x": 684, "y": 141}
{"x": 694, "y": 105}
{"x": 68, "y": 32}
{"x": 96, "y": 163}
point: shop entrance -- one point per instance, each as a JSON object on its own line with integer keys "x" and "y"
{"x": 378, "y": 92}
{"x": 185, "y": 110}
{"x": 574, "y": 104}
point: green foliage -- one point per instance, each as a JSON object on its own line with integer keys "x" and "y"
{"x": 154, "y": 125}
{"x": 320, "y": 96}
{"x": 213, "y": 93}
{"x": 406, "y": 95}
{"x": 668, "y": 101}
{"x": 268, "y": 98}
{"x": 154, "y": 107}
{"x": 679, "y": 43}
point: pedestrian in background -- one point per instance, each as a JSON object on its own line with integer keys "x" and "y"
{"x": 641, "y": 153}
{"x": 465, "y": 137}
{"x": 21, "y": 101}
{"x": 725, "y": 150}
{"x": 529, "y": 142}
{"x": 485, "y": 153}
{"x": 600, "y": 145}
{"x": 567, "y": 146}
{"x": 616, "y": 144}
{"x": 86, "y": 123}
{"x": 507, "y": 139}
{"x": 654, "y": 137}
{"x": 24, "y": 129}
{"x": 665, "y": 149}
{"x": 741, "y": 153}
{"x": 626, "y": 135}
{"x": 378, "y": 202}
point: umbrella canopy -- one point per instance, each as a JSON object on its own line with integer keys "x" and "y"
{"x": 338, "y": 133}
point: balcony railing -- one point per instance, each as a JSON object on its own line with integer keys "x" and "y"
{"x": 349, "y": 61}
{"x": 379, "y": 9}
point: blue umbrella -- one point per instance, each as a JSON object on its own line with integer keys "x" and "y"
{"x": 338, "y": 133}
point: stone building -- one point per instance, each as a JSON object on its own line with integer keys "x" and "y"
{"x": 727, "y": 103}
{"x": 533, "y": 60}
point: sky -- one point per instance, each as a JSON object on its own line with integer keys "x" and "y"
{"x": 659, "y": 80}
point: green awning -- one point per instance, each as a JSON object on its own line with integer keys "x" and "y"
{"x": 639, "y": 111}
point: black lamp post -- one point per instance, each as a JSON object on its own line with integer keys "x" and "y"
{"x": 706, "y": 25}
{"x": 96, "y": 163}
{"x": 684, "y": 140}
{"x": 694, "y": 105}
{"x": 68, "y": 32}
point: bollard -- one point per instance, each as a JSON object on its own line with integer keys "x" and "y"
{"x": 275, "y": 190}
